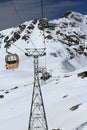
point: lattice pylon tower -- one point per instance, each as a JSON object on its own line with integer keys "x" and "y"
{"x": 37, "y": 120}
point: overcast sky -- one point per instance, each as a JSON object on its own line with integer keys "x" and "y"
{"x": 14, "y": 12}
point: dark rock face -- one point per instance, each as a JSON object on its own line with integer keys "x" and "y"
{"x": 45, "y": 76}
{"x": 1, "y": 96}
{"x": 75, "y": 107}
{"x": 67, "y": 14}
{"x": 82, "y": 74}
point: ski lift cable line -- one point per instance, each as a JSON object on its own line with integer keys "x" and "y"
{"x": 16, "y": 11}
{"x": 42, "y": 8}
{"x": 42, "y": 14}
{"x": 18, "y": 47}
{"x": 21, "y": 50}
{"x": 29, "y": 37}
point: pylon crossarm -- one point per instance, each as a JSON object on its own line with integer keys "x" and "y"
{"x": 36, "y": 52}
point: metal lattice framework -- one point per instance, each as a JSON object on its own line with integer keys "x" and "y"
{"x": 37, "y": 120}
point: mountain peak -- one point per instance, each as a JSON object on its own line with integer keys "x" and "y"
{"x": 66, "y": 14}
{"x": 74, "y": 15}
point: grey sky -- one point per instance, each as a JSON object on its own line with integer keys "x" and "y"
{"x": 31, "y": 9}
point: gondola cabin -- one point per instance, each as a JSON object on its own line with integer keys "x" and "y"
{"x": 12, "y": 61}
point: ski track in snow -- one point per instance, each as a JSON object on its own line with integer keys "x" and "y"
{"x": 80, "y": 127}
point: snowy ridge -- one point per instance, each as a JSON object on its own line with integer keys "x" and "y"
{"x": 64, "y": 94}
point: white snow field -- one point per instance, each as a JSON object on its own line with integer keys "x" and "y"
{"x": 64, "y": 94}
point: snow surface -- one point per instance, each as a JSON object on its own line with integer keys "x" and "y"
{"x": 60, "y": 93}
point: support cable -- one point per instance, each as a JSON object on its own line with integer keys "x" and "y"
{"x": 21, "y": 51}
{"x": 16, "y": 12}
{"x": 32, "y": 43}
{"x": 42, "y": 15}
{"x": 42, "y": 9}
{"x": 18, "y": 48}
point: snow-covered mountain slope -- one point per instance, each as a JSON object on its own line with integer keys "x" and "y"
{"x": 64, "y": 93}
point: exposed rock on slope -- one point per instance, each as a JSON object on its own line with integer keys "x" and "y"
{"x": 69, "y": 32}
